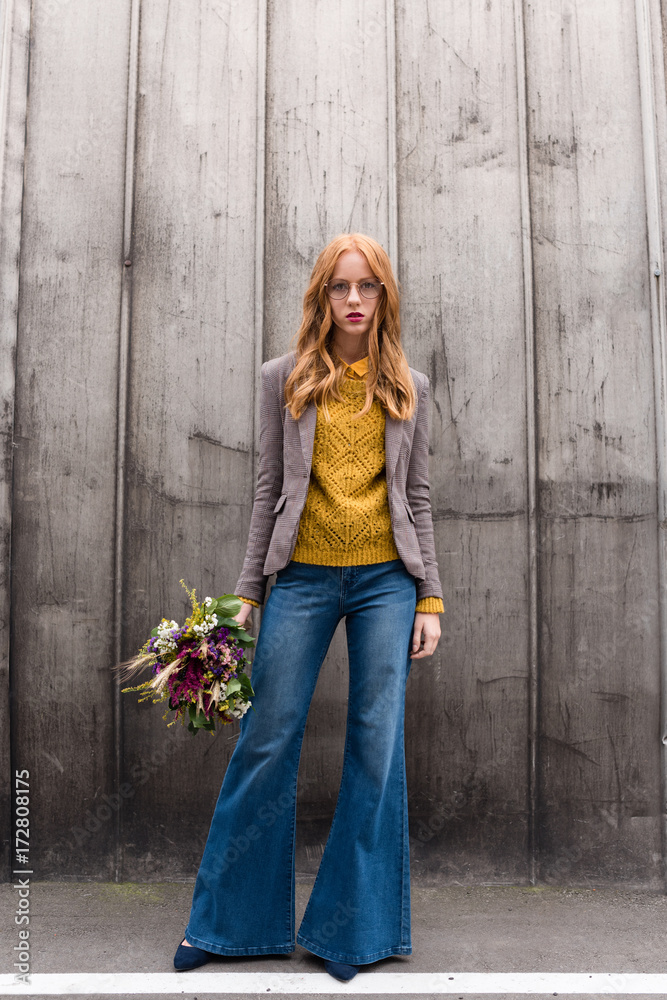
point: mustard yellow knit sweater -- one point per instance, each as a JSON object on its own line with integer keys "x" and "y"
{"x": 345, "y": 520}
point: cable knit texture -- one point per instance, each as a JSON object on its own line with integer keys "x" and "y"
{"x": 346, "y": 519}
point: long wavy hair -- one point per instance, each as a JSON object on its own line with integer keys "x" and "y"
{"x": 318, "y": 371}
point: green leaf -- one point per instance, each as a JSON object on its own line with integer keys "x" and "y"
{"x": 229, "y": 604}
{"x": 195, "y": 715}
{"x": 246, "y": 686}
{"x": 154, "y": 633}
{"x": 233, "y": 685}
{"x": 244, "y": 639}
{"x": 199, "y": 721}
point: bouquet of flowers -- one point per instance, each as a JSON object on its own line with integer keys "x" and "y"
{"x": 197, "y": 667}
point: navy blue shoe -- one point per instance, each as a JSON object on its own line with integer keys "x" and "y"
{"x": 340, "y": 971}
{"x": 191, "y": 957}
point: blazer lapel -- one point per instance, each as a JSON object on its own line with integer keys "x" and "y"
{"x": 306, "y": 423}
{"x": 393, "y": 435}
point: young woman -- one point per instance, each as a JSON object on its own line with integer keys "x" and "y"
{"x": 342, "y": 515}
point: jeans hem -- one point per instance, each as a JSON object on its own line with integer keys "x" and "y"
{"x": 222, "y": 949}
{"x": 348, "y": 958}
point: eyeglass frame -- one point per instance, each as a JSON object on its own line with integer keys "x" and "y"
{"x": 349, "y": 286}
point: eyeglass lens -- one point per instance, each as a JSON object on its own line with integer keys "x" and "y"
{"x": 340, "y": 289}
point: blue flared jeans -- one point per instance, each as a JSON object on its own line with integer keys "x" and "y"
{"x": 359, "y": 906}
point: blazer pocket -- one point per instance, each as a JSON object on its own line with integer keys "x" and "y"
{"x": 410, "y": 514}
{"x": 281, "y": 501}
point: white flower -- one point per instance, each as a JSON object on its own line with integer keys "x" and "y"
{"x": 166, "y": 628}
{"x": 165, "y": 640}
{"x": 209, "y": 623}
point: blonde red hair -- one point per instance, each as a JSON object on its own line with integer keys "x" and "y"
{"x": 318, "y": 372}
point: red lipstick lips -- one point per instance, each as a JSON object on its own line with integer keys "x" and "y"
{"x": 355, "y": 316}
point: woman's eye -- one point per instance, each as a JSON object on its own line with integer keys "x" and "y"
{"x": 339, "y": 286}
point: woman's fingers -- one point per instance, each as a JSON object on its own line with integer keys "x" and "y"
{"x": 244, "y": 617}
{"x": 425, "y": 635}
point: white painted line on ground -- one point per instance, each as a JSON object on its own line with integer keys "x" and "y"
{"x": 226, "y": 983}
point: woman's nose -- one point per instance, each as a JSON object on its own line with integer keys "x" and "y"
{"x": 353, "y": 295}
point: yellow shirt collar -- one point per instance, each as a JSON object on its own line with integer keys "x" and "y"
{"x": 357, "y": 368}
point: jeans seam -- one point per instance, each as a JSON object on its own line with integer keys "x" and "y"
{"x": 403, "y": 821}
{"x": 338, "y": 800}
{"x": 268, "y": 949}
{"x": 292, "y": 918}
{"x": 355, "y": 959}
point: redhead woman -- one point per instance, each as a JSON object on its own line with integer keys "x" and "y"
{"x": 342, "y": 516}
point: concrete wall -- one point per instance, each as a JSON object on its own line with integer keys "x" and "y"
{"x": 169, "y": 174}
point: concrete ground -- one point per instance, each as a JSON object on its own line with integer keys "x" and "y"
{"x": 136, "y": 927}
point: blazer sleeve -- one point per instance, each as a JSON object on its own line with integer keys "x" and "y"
{"x": 252, "y": 581}
{"x": 418, "y": 494}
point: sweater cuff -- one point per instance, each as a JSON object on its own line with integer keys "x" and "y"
{"x": 431, "y": 604}
{"x": 248, "y": 601}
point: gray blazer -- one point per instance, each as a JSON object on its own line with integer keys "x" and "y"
{"x": 285, "y": 456}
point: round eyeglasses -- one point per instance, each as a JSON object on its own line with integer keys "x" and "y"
{"x": 370, "y": 289}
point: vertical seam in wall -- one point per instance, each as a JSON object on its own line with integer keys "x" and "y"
{"x": 5, "y": 68}
{"x": 392, "y": 193}
{"x": 260, "y": 227}
{"x": 122, "y": 413}
{"x": 17, "y": 17}
{"x": 657, "y": 301}
{"x": 531, "y": 420}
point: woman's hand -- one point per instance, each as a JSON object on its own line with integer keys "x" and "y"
{"x": 426, "y": 630}
{"x": 243, "y": 617}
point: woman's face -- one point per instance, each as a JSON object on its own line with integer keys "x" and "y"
{"x": 353, "y": 315}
